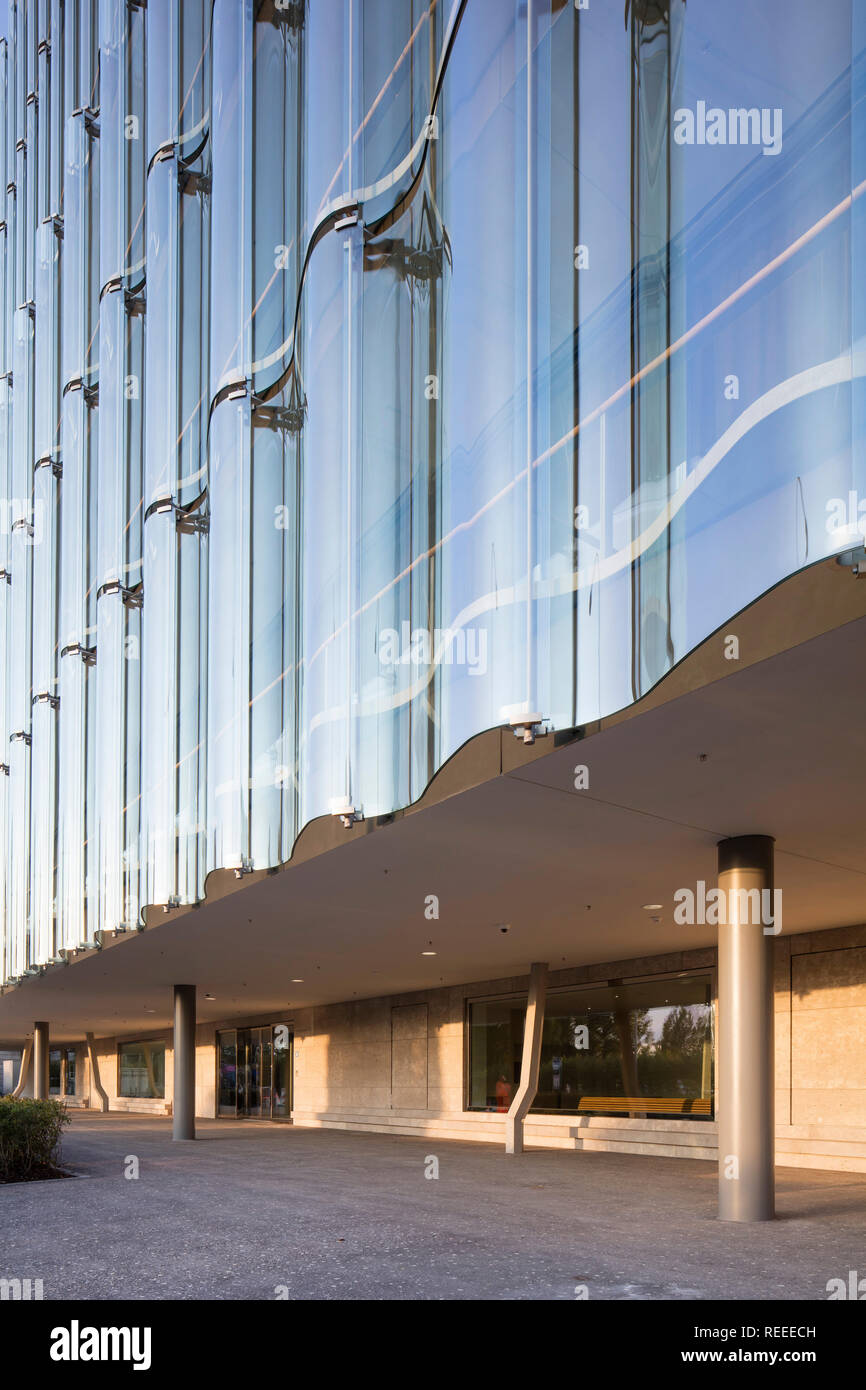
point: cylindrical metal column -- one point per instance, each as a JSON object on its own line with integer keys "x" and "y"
{"x": 40, "y": 1061}
{"x": 746, "y": 1059}
{"x": 183, "y": 1106}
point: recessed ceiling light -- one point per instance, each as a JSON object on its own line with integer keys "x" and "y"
{"x": 297, "y": 982}
{"x": 428, "y": 953}
{"x": 652, "y": 907}
{"x": 210, "y": 996}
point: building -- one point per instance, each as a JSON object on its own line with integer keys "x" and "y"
{"x": 433, "y": 441}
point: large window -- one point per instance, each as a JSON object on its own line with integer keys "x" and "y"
{"x": 141, "y": 1070}
{"x": 642, "y": 1049}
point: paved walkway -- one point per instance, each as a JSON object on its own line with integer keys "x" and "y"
{"x": 250, "y": 1207}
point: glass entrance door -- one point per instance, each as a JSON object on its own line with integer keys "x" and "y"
{"x": 255, "y": 1072}
{"x": 227, "y": 1052}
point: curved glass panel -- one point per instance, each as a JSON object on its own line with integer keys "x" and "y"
{"x": 229, "y": 679}
{"x": 230, "y": 237}
{"x": 112, "y": 209}
{"x": 161, "y": 75}
{"x": 162, "y": 409}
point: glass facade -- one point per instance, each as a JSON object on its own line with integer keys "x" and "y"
{"x": 644, "y": 1049}
{"x": 377, "y": 372}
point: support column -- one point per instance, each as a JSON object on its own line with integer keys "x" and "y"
{"x": 95, "y": 1083}
{"x": 532, "y": 1031}
{"x": 746, "y": 1082}
{"x": 24, "y": 1070}
{"x": 183, "y": 1106}
{"x": 40, "y": 1061}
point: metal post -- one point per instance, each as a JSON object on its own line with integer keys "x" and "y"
{"x": 183, "y": 1107}
{"x": 532, "y": 1030}
{"x": 746, "y": 1058}
{"x": 40, "y": 1061}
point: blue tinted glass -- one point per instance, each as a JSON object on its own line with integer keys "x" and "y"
{"x": 376, "y": 373}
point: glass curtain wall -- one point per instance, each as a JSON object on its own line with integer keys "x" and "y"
{"x": 377, "y": 372}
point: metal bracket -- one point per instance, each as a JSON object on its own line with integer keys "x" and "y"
{"x": 279, "y": 417}
{"x": 91, "y": 396}
{"x": 20, "y": 737}
{"x": 191, "y": 181}
{"x": 22, "y": 524}
{"x": 87, "y": 654}
{"x": 409, "y": 262}
{"x": 192, "y": 523}
{"x": 134, "y": 304}
{"x": 351, "y": 218}
{"x": 529, "y": 727}
{"x": 44, "y": 698}
{"x": 289, "y": 13}
{"x": 130, "y": 598}
{"x": 50, "y": 461}
{"x": 854, "y": 560}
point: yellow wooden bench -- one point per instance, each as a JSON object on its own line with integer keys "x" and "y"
{"x": 662, "y": 1105}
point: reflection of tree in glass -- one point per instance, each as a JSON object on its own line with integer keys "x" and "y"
{"x": 641, "y": 1029}
{"x": 561, "y": 1034}
{"x": 684, "y": 1032}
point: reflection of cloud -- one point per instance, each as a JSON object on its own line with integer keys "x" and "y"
{"x": 834, "y": 373}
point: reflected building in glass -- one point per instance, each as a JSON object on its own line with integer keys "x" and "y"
{"x": 379, "y": 376}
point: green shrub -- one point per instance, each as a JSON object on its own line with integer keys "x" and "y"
{"x": 30, "y": 1134}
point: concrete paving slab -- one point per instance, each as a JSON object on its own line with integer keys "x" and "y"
{"x": 250, "y": 1209}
